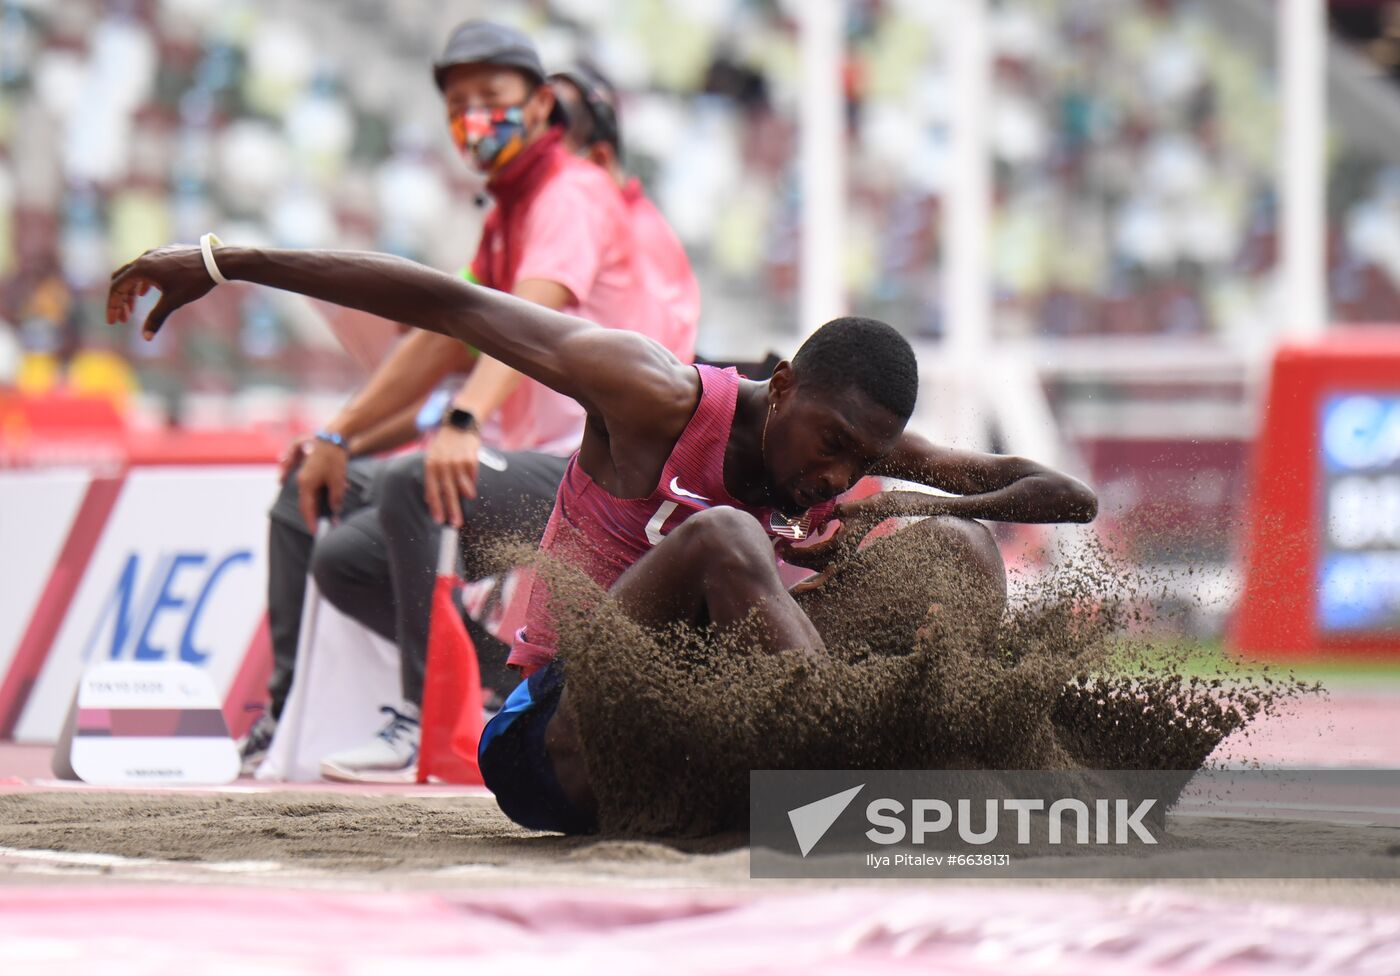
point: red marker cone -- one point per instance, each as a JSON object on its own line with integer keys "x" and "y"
{"x": 452, "y": 708}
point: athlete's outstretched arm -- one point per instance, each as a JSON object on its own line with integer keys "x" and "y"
{"x": 1002, "y": 488}
{"x": 618, "y": 375}
{"x": 999, "y": 488}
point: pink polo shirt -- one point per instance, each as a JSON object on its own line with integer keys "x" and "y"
{"x": 665, "y": 270}
{"x": 564, "y": 220}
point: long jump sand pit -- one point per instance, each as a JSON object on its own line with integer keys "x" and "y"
{"x": 387, "y": 837}
{"x": 426, "y": 841}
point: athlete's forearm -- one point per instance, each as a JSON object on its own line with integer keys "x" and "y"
{"x": 1028, "y": 500}
{"x": 519, "y": 334}
{"x": 998, "y": 487}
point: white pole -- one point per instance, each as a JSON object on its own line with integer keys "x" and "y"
{"x": 967, "y": 209}
{"x": 823, "y": 157}
{"x": 1302, "y": 38}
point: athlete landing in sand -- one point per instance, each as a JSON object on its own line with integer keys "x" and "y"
{"x": 684, "y": 477}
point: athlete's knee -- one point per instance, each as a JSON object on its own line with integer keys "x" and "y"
{"x": 982, "y": 548}
{"x": 726, "y": 539}
{"x": 722, "y": 527}
{"x": 967, "y": 537}
{"x": 975, "y": 549}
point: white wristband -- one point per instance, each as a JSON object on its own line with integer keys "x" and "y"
{"x": 206, "y": 248}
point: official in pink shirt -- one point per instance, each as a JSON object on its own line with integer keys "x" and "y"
{"x": 590, "y": 102}
{"x": 665, "y": 270}
{"x": 562, "y": 219}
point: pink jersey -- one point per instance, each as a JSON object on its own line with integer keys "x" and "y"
{"x": 603, "y": 534}
{"x": 561, "y": 219}
{"x": 665, "y": 270}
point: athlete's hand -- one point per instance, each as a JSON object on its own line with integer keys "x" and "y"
{"x": 323, "y": 470}
{"x": 176, "y": 271}
{"x": 821, "y": 556}
{"x": 857, "y": 518}
{"x": 449, "y": 472}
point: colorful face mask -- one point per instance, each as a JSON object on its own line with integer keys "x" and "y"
{"x": 489, "y": 137}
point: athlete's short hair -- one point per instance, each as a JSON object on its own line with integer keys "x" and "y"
{"x": 864, "y": 354}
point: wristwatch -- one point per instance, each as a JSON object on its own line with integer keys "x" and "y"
{"x": 336, "y": 440}
{"x": 459, "y": 419}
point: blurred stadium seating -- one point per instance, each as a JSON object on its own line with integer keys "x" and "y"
{"x": 1134, "y": 245}
{"x": 1134, "y": 145}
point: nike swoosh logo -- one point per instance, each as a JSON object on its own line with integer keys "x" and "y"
{"x": 676, "y": 489}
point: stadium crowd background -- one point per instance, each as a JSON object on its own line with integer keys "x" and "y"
{"x": 1135, "y": 180}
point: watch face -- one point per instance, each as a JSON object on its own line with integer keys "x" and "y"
{"x": 460, "y": 419}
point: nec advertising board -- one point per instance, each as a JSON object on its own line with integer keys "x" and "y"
{"x": 179, "y": 575}
{"x": 1359, "y": 561}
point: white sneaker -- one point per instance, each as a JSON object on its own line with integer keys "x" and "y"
{"x": 390, "y": 757}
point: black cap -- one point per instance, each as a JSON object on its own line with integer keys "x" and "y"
{"x": 599, "y": 102}
{"x": 482, "y": 42}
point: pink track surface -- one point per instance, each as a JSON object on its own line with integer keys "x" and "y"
{"x": 1349, "y": 727}
{"x": 951, "y": 930}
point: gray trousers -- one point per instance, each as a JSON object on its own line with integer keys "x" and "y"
{"x": 377, "y": 564}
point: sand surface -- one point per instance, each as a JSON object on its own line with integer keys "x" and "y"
{"x": 418, "y": 842}
{"x": 391, "y": 837}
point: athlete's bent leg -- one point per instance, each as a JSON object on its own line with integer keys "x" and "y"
{"x": 716, "y": 568}
{"x": 943, "y": 572}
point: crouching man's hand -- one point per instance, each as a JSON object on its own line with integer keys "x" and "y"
{"x": 449, "y": 473}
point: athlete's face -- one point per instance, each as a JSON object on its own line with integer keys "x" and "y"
{"x": 821, "y": 442}
{"x": 494, "y": 111}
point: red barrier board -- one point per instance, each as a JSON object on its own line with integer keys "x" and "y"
{"x": 1322, "y": 536}
{"x": 61, "y": 429}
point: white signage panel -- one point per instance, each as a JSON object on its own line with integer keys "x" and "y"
{"x": 179, "y": 576}
{"x": 144, "y": 724}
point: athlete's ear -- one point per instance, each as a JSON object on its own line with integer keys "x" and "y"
{"x": 782, "y": 384}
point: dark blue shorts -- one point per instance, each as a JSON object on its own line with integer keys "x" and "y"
{"x": 515, "y": 765}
